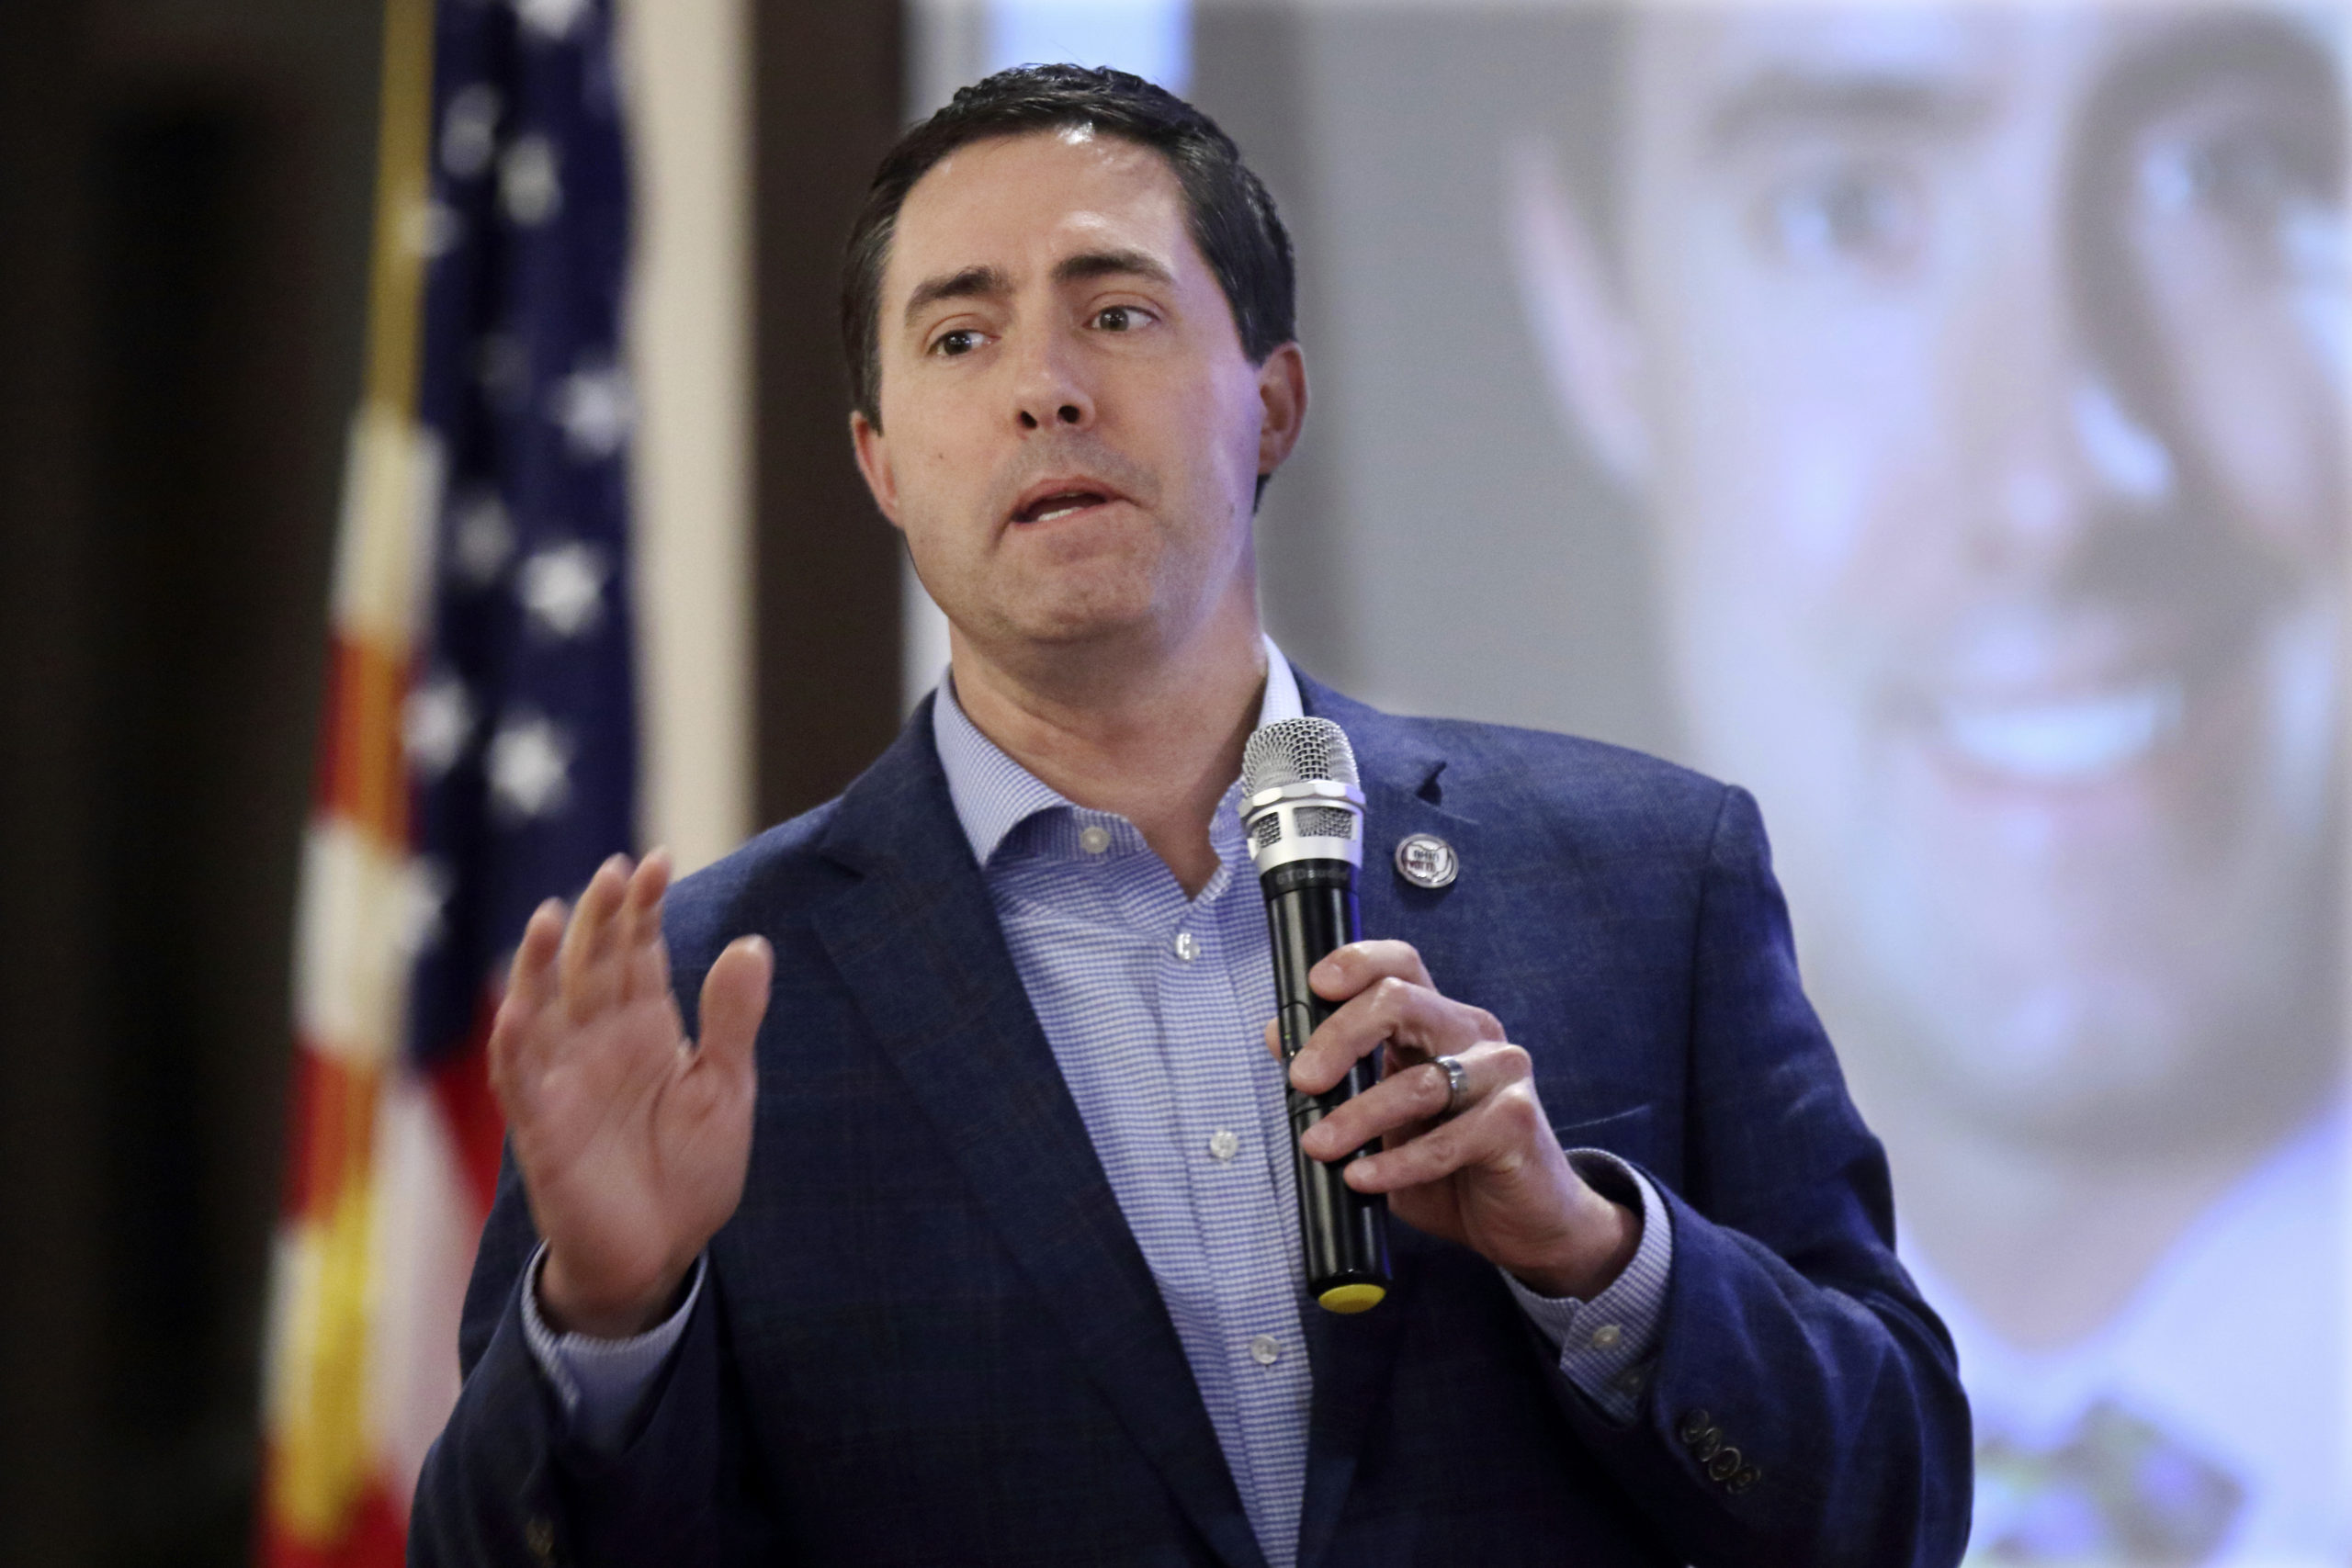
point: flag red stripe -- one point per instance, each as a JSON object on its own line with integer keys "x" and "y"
{"x": 362, "y": 777}
{"x": 332, "y": 1130}
{"x": 461, "y": 1085}
{"x": 375, "y": 1538}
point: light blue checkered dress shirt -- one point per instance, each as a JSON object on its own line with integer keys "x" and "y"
{"x": 1154, "y": 1008}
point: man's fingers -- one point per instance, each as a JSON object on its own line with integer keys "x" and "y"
{"x": 1274, "y": 1038}
{"x": 590, "y": 981}
{"x": 1501, "y": 1128}
{"x": 645, "y": 957}
{"x": 1394, "y": 1010}
{"x": 1413, "y": 1098}
{"x": 1347, "y": 971}
{"x": 530, "y": 983}
{"x": 529, "y": 979}
{"x": 734, "y": 1000}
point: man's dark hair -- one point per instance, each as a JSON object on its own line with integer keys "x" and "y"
{"x": 1231, "y": 218}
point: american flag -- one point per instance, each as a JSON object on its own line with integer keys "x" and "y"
{"x": 479, "y": 745}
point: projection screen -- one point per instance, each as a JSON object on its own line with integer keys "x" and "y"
{"x": 1932, "y": 418}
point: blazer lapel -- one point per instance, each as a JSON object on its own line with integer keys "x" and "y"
{"x": 917, "y": 941}
{"x": 1353, "y": 1356}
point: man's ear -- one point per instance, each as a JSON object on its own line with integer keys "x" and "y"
{"x": 1282, "y": 392}
{"x": 1587, "y": 338}
{"x": 873, "y": 449}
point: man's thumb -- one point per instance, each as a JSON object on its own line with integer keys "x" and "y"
{"x": 735, "y": 996}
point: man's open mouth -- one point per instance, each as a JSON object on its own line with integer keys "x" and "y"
{"x": 1060, "y": 503}
{"x": 2073, "y": 739}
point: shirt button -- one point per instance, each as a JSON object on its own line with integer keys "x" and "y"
{"x": 1094, "y": 839}
{"x": 1266, "y": 1349}
{"x": 1605, "y": 1335}
{"x": 1224, "y": 1143}
{"x": 1187, "y": 948}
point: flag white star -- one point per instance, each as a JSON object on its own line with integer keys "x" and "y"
{"x": 530, "y": 768}
{"x": 530, "y": 187}
{"x": 482, "y": 538}
{"x": 552, "y": 18}
{"x": 597, "y": 410}
{"x": 562, "y": 586}
{"x": 435, "y": 723}
{"x": 469, "y": 131}
{"x": 425, "y": 892}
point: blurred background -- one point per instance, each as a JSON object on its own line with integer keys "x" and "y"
{"x": 1930, "y": 417}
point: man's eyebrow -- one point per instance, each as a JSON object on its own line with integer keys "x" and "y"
{"x": 1112, "y": 264}
{"x": 1785, "y": 102}
{"x": 980, "y": 282}
{"x": 971, "y": 283}
{"x": 2267, "y": 54}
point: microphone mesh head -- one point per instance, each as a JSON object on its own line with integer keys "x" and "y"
{"x": 1290, "y": 750}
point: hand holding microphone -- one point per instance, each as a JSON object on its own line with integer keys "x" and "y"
{"x": 1465, "y": 1151}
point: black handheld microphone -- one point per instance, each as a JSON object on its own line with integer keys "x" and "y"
{"x": 1302, "y": 806}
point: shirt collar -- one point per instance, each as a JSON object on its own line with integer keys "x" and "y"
{"x": 994, "y": 794}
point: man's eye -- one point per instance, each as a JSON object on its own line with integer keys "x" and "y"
{"x": 1863, "y": 213}
{"x": 2246, "y": 174}
{"x": 2266, "y": 188}
{"x": 1118, "y": 318}
{"x": 960, "y": 342}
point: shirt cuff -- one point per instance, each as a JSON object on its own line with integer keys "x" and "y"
{"x": 1607, "y": 1343}
{"x": 601, "y": 1382}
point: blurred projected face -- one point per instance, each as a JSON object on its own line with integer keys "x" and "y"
{"x": 1983, "y": 373}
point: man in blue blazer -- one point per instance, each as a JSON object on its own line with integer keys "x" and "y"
{"x": 860, "y": 1208}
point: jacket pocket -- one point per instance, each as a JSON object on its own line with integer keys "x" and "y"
{"x": 1626, "y": 1133}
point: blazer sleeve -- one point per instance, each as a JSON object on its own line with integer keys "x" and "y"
{"x": 506, "y": 1484}
{"x": 1804, "y": 1406}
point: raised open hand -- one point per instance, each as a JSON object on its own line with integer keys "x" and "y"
{"x": 633, "y": 1142}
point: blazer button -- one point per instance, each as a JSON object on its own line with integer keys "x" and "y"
{"x": 1694, "y": 1427}
{"x": 1747, "y": 1476}
{"x": 1723, "y": 1464}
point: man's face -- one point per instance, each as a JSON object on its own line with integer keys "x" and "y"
{"x": 1070, "y": 434}
{"x": 1989, "y": 378}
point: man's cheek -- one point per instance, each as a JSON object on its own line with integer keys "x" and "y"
{"x": 1810, "y": 516}
{"x": 2275, "y": 458}
{"x": 2260, "y": 410}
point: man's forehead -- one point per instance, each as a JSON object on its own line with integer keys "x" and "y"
{"x": 1686, "y": 62}
{"x": 1020, "y": 204}
{"x": 1699, "y": 50}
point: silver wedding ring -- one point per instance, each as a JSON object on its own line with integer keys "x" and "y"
{"x": 1457, "y": 1082}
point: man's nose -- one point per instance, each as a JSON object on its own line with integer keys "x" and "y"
{"x": 2069, "y": 454}
{"x": 1049, "y": 391}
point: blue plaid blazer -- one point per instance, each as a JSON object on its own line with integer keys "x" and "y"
{"x": 927, "y": 1337}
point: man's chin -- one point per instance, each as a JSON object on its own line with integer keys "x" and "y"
{"x": 1071, "y": 632}
{"x": 2068, "y": 1076}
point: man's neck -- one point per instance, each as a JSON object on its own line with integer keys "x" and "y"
{"x": 2045, "y": 1239}
{"x": 1154, "y": 737}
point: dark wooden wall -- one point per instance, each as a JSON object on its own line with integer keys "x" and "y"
{"x": 827, "y": 105}
{"x": 49, "y": 1200}
{"x": 184, "y": 198}
{"x": 184, "y": 195}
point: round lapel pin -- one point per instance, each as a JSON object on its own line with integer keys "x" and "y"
{"x": 1427, "y": 860}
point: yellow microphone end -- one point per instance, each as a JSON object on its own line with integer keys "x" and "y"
{"x": 1348, "y": 1300}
